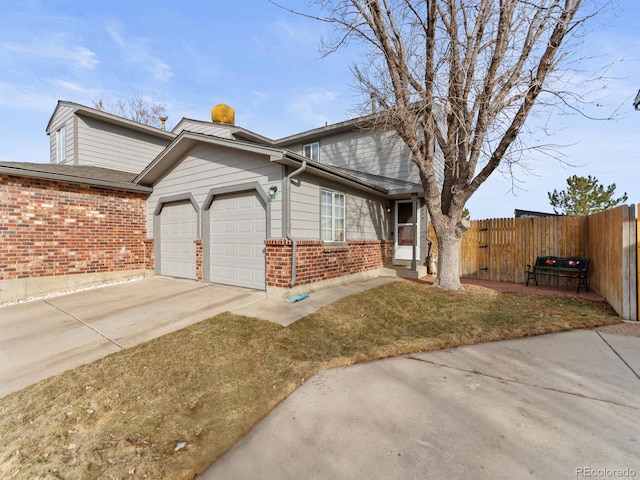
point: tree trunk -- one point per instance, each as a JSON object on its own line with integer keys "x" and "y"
{"x": 449, "y": 260}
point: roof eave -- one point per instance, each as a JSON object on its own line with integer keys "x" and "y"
{"x": 293, "y": 159}
{"x": 60, "y": 177}
{"x": 183, "y": 142}
{"x": 83, "y": 110}
{"x": 345, "y": 126}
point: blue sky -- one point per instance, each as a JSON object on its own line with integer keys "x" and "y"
{"x": 265, "y": 63}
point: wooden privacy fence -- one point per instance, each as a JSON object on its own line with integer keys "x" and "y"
{"x": 499, "y": 250}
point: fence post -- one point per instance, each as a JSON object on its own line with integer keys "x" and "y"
{"x": 629, "y": 264}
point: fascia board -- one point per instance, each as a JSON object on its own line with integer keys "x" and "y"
{"x": 184, "y": 142}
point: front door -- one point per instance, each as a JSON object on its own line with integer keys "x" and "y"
{"x": 404, "y": 230}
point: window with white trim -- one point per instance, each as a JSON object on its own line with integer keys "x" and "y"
{"x": 332, "y": 216}
{"x": 312, "y": 151}
{"x": 61, "y": 145}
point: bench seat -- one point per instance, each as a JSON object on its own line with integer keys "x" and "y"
{"x": 568, "y": 267}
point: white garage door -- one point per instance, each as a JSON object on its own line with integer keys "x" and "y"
{"x": 237, "y": 234}
{"x": 178, "y": 230}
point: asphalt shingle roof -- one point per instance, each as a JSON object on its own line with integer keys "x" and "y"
{"x": 73, "y": 173}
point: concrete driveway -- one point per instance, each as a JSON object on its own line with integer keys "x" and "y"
{"x": 46, "y": 337}
{"x": 549, "y": 407}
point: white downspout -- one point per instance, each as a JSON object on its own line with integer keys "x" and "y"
{"x": 294, "y": 243}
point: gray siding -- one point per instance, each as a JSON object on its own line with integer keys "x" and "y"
{"x": 207, "y": 167}
{"x": 378, "y": 153}
{"x": 106, "y": 145}
{"x": 206, "y": 128}
{"x": 366, "y": 216}
{"x": 64, "y": 117}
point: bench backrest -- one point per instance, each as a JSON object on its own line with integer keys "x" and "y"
{"x": 570, "y": 263}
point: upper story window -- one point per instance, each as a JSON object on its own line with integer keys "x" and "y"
{"x": 332, "y": 216}
{"x": 312, "y": 151}
{"x": 61, "y": 145}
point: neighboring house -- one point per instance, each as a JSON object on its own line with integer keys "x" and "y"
{"x": 532, "y": 214}
{"x": 218, "y": 203}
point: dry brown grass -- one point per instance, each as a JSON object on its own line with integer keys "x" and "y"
{"x": 207, "y": 385}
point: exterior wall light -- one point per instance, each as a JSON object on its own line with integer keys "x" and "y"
{"x": 272, "y": 192}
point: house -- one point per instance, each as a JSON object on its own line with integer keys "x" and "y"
{"x": 532, "y": 214}
{"x": 208, "y": 201}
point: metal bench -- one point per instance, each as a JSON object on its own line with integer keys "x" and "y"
{"x": 570, "y": 267}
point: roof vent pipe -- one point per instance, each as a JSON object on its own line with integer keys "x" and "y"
{"x": 294, "y": 243}
{"x": 163, "y": 122}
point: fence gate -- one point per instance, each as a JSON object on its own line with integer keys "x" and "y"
{"x": 484, "y": 249}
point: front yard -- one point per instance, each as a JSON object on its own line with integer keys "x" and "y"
{"x": 170, "y": 407}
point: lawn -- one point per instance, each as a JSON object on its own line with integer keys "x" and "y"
{"x": 202, "y": 388}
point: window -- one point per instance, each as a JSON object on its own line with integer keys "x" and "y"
{"x": 61, "y": 145}
{"x": 312, "y": 151}
{"x": 332, "y": 216}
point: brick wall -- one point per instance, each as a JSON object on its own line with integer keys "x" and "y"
{"x": 50, "y": 228}
{"x": 199, "y": 253}
{"x": 317, "y": 262}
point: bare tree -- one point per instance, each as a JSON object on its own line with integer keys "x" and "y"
{"x": 139, "y": 108}
{"x": 456, "y": 79}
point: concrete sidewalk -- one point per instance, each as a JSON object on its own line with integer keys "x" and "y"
{"x": 45, "y": 337}
{"x": 549, "y": 407}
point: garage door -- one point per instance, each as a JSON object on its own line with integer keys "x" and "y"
{"x": 179, "y": 228}
{"x": 237, "y": 233}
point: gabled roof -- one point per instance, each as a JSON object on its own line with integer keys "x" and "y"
{"x": 237, "y": 132}
{"x": 394, "y": 186}
{"x": 186, "y": 140}
{"x": 108, "y": 118}
{"x": 78, "y": 174}
{"x": 316, "y": 133}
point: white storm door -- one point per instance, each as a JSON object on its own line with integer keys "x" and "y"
{"x": 404, "y": 231}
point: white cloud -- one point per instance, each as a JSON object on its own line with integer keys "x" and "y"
{"x": 63, "y": 86}
{"x": 260, "y": 97}
{"x": 137, "y": 51}
{"x": 26, "y": 98}
{"x": 294, "y": 32}
{"x": 55, "y": 49}
{"x": 312, "y": 107}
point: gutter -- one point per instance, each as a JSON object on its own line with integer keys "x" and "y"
{"x": 294, "y": 242}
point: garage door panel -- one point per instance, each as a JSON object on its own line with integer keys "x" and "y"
{"x": 237, "y": 234}
{"x": 245, "y": 275}
{"x": 247, "y": 251}
{"x": 230, "y": 226}
{"x": 230, "y": 250}
{"x": 217, "y": 227}
{"x": 246, "y": 226}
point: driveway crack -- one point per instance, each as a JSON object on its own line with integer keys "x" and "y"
{"x": 618, "y": 355}
{"x": 518, "y": 382}
{"x": 84, "y": 323}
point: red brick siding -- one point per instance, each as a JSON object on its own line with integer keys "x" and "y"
{"x": 198, "y": 242}
{"x": 55, "y": 228}
{"x": 317, "y": 262}
{"x": 148, "y": 253}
